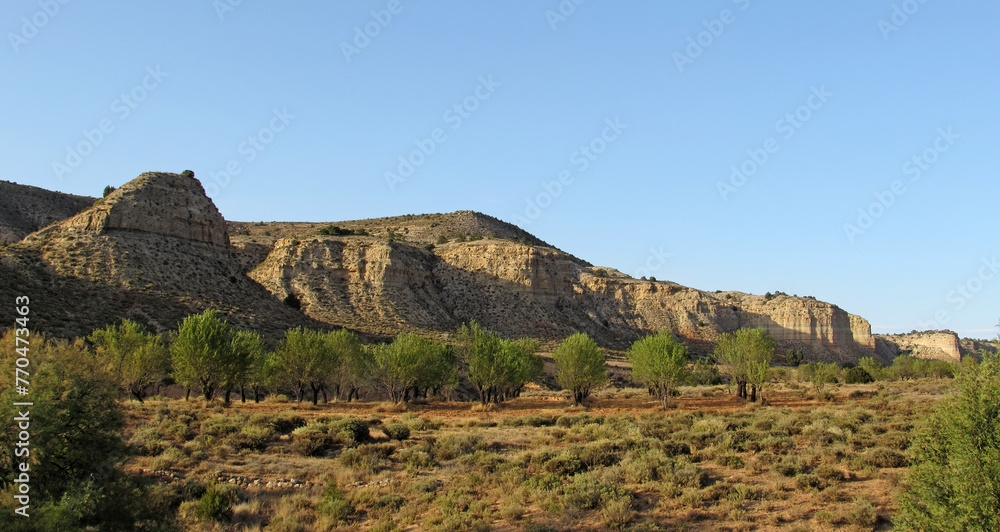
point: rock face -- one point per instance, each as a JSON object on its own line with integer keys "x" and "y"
{"x": 25, "y": 209}
{"x": 932, "y": 345}
{"x": 160, "y": 203}
{"x": 383, "y": 287}
{"x": 155, "y": 251}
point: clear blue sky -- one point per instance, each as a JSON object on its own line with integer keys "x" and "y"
{"x": 838, "y": 96}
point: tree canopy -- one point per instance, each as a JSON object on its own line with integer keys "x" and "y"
{"x": 659, "y": 362}
{"x": 580, "y": 366}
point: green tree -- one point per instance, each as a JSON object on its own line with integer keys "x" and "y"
{"x": 794, "y": 357}
{"x": 748, "y": 354}
{"x": 348, "y": 361}
{"x": 108, "y": 190}
{"x": 203, "y": 354}
{"x": 659, "y": 362}
{"x": 955, "y": 483}
{"x": 579, "y": 366}
{"x": 396, "y": 367}
{"x": 497, "y": 367}
{"x": 247, "y": 355}
{"x": 819, "y": 374}
{"x": 75, "y": 422}
{"x": 137, "y": 359}
{"x": 872, "y": 367}
{"x": 305, "y": 361}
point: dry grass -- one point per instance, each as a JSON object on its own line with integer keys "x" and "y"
{"x": 712, "y": 463}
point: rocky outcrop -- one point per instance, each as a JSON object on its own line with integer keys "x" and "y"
{"x": 25, "y": 209}
{"x": 154, "y": 251}
{"x": 931, "y": 345}
{"x": 519, "y": 290}
{"x": 977, "y": 348}
{"x": 159, "y": 203}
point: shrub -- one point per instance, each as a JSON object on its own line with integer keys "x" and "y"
{"x": 334, "y": 505}
{"x": 396, "y": 431}
{"x": 216, "y": 503}
{"x": 805, "y": 481}
{"x": 790, "y": 466}
{"x": 883, "y": 457}
{"x": 857, "y": 375}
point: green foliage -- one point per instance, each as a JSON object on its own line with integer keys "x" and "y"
{"x": 204, "y": 355}
{"x": 857, "y": 375}
{"x": 396, "y": 431}
{"x": 188, "y": 174}
{"x": 579, "y": 366}
{"x": 441, "y": 239}
{"x": 819, "y": 374}
{"x": 747, "y": 353}
{"x": 794, "y": 357}
{"x": 704, "y": 373}
{"x": 137, "y": 359}
{"x": 75, "y": 423}
{"x": 872, "y": 367}
{"x": 216, "y": 503}
{"x": 497, "y": 367}
{"x": 337, "y": 231}
{"x": 955, "y": 482}
{"x": 108, "y": 190}
{"x": 600, "y": 272}
{"x": 659, "y": 362}
{"x": 410, "y": 362}
{"x": 304, "y": 360}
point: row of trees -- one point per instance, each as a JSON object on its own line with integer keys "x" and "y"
{"x": 206, "y": 353}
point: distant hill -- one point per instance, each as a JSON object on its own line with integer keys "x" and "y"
{"x": 25, "y": 209}
{"x": 157, "y": 249}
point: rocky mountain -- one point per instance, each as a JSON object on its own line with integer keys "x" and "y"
{"x": 25, "y": 209}
{"x": 154, "y": 250}
{"x": 932, "y": 345}
{"x": 157, "y": 249}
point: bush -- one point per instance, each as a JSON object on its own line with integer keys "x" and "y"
{"x": 794, "y": 357}
{"x": 857, "y": 375}
{"x": 216, "y": 503}
{"x": 334, "y": 505}
{"x": 396, "y": 431}
{"x": 883, "y": 457}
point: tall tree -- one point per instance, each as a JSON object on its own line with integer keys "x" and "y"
{"x": 396, "y": 367}
{"x": 497, "y": 367}
{"x": 747, "y": 353}
{"x": 580, "y": 366}
{"x": 137, "y": 359}
{"x": 247, "y": 351}
{"x": 659, "y": 362}
{"x": 955, "y": 483}
{"x": 305, "y": 361}
{"x": 203, "y": 353}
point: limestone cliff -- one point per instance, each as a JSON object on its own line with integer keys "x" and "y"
{"x": 934, "y": 345}
{"x": 159, "y": 203}
{"x": 519, "y": 290}
{"x": 155, "y": 250}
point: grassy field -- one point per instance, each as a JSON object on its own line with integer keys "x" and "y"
{"x": 711, "y": 462}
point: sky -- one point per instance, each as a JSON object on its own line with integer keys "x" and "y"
{"x": 843, "y": 150}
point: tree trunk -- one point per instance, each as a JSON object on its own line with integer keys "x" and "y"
{"x": 753, "y": 393}
{"x": 243, "y": 394}
{"x": 187, "y": 395}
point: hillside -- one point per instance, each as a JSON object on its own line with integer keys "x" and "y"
{"x": 26, "y": 209}
{"x": 157, "y": 248}
{"x": 154, "y": 250}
